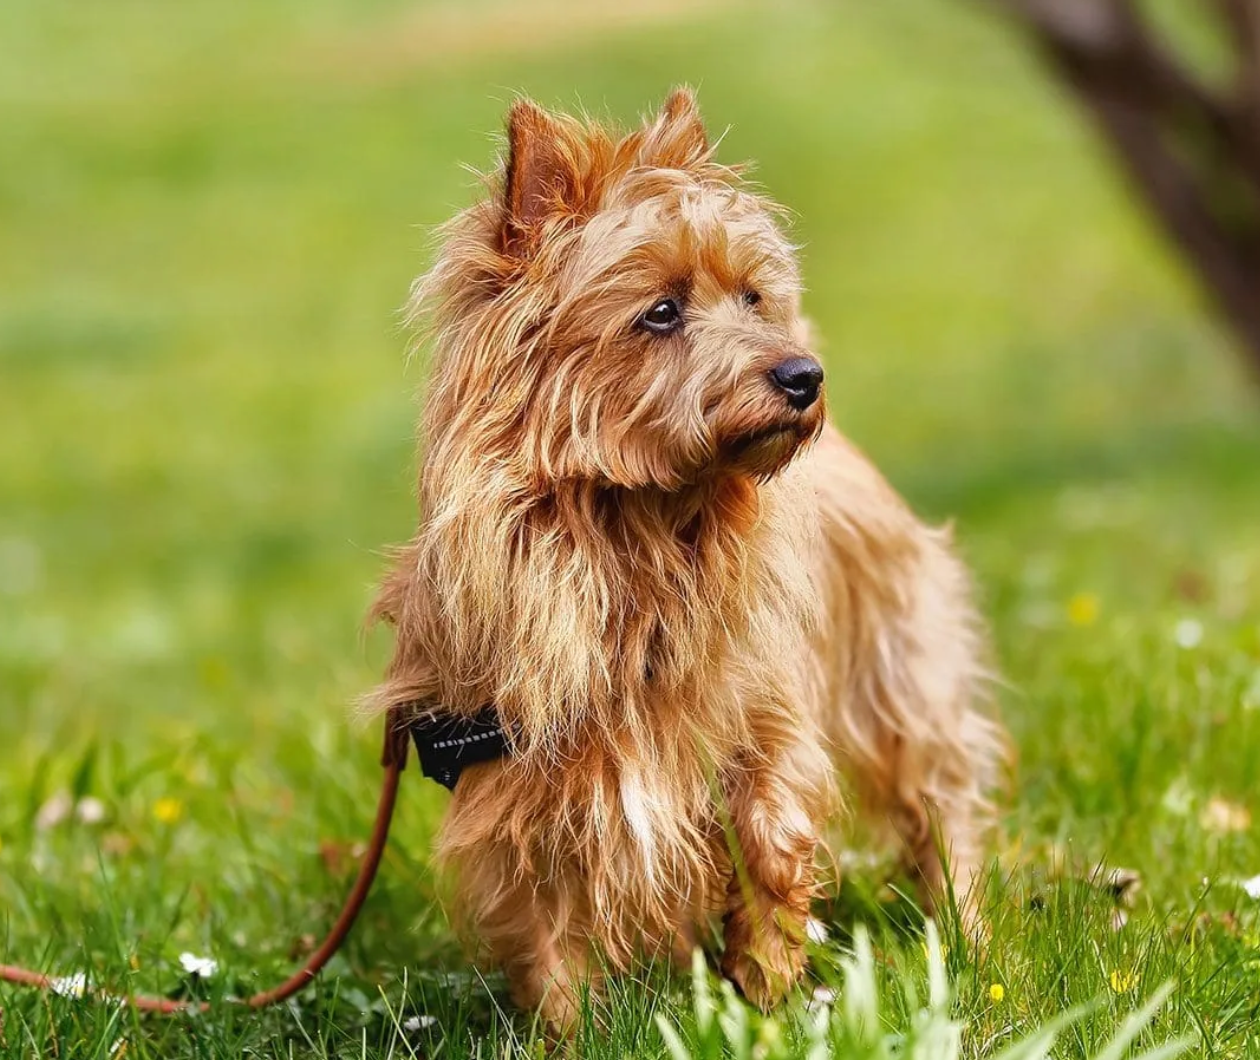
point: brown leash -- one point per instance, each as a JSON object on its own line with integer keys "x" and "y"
{"x": 394, "y": 761}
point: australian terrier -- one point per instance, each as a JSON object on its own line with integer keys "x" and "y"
{"x": 688, "y": 598}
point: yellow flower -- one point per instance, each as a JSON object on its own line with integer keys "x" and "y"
{"x": 996, "y": 992}
{"x": 168, "y": 810}
{"x": 1082, "y": 609}
{"x": 1123, "y": 982}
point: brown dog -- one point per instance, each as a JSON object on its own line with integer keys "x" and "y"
{"x": 687, "y": 596}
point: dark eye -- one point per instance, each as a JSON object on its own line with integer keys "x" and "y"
{"x": 663, "y": 317}
{"x": 751, "y": 298}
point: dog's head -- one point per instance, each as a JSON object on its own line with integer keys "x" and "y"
{"x": 623, "y": 311}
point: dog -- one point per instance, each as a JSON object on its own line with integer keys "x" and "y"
{"x": 690, "y": 602}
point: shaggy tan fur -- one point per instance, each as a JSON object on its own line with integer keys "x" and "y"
{"x": 688, "y": 599}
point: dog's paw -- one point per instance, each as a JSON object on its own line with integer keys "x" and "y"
{"x": 763, "y": 961}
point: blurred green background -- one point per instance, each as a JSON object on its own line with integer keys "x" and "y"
{"x": 209, "y": 218}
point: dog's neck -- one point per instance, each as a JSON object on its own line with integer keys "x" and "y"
{"x": 588, "y": 609}
{"x": 728, "y": 504}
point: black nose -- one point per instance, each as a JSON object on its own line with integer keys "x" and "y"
{"x": 799, "y": 378}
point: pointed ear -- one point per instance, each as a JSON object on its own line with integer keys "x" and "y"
{"x": 677, "y": 138}
{"x": 539, "y": 178}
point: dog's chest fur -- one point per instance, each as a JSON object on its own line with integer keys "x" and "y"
{"x": 676, "y": 658}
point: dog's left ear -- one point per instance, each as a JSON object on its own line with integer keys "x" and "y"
{"x": 540, "y": 177}
{"x": 677, "y": 138}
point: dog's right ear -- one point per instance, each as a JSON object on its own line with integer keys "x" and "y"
{"x": 540, "y": 181}
{"x": 677, "y": 139}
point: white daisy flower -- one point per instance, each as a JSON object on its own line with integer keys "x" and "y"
{"x": 816, "y": 931}
{"x": 1252, "y": 887}
{"x": 1188, "y": 633}
{"x": 56, "y": 810}
{"x": 822, "y": 997}
{"x": 418, "y": 1023}
{"x": 70, "y": 986}
{"x": 200, "y": 967}
{"x": 90, "y": 810}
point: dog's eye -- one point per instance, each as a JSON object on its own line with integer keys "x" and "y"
{"x": 663, "y": 317}
{"x": 751, "y": 298}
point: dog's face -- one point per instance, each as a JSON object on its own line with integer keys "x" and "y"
{"x": 639, "y": 324}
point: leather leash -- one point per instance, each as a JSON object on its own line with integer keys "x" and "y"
{"x": 394, "y": 761}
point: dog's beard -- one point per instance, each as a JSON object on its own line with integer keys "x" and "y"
{"x": 768, "y": 450}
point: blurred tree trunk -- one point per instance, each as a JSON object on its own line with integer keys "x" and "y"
{"x": 1191, "y": 149}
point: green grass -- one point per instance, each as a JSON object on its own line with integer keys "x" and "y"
{"x": 209, "y": 215}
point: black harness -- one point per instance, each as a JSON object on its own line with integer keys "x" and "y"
{"x": 449, "y": 743}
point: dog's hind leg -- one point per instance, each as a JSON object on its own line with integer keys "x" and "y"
{"x": 923, "y": 752}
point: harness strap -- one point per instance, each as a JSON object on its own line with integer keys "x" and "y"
{"x": 447, "y": 744}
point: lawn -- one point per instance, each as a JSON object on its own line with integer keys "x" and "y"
{"x": 210, "y": 215}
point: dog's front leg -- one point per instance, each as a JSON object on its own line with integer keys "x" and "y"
{"x": 547, "y": 963}
{"x": 768, "y": 898}
{"x": 549, "y": 974}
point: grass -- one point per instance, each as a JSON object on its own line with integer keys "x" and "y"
{"x": 210, "y": 214}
